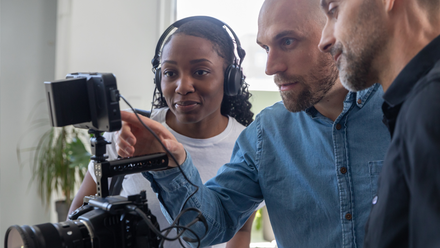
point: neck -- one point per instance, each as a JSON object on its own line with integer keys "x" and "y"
{"x": 208, "y": 127}
{"x": 332, "y": 104}
{"x": 412, "y": 29}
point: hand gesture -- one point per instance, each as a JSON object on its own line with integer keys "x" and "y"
{"x": 135, "y": 140}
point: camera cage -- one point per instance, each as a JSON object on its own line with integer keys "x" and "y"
{"x": 91, "y": 101}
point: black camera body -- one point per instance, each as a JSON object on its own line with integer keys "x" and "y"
{"x": 102, "y": 222}
{"x": 111, "y": 223}
{"x": 91, "y": 101}
{"x": 85, "y": 100}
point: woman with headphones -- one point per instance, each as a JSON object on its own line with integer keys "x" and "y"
{"x": 201, "y": 98}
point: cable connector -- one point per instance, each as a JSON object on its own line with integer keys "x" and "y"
{"x": 114, "y": 95}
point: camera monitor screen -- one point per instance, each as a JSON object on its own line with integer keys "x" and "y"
{"x": 85, "y": 100}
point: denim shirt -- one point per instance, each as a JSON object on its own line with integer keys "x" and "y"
{"x": 317, "y": 177}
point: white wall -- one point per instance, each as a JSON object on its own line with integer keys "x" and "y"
{"x": 113, "y": 36}
{"x": 27, "y": 59}
{"x": 43, "y": 40}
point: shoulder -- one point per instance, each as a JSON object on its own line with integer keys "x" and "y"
{"x": 419, "y": 115}
{"x": 422, "y": 104}
{"x": 277, "y": 115}
{"x": 159, "y": 115}
{"x": 235, "y": 125}
{"x": 276, "y": 110}
{"x": 274, "y": 119}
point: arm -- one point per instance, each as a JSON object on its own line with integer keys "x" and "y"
{"x": 226, "y": 201}
{"x": 421, "y": 160}
{"x": 242, "y": 238}
{"x": 88, "y": 187}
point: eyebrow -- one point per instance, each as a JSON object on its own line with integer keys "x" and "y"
{"x": 282, "y": 35}
{"x": 169, "y": 62}
{"x": 195, "y": 61}
{"x": 285, "y": 33}
{"x": 324, "y": 3}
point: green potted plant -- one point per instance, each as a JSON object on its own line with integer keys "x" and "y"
{"x": 59, "y": 163}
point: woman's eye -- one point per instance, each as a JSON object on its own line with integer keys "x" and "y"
{"x": 201, "y": 72}
{"x": 168, "y": 73}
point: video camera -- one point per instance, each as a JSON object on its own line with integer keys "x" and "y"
{"x": 91, "y": 101}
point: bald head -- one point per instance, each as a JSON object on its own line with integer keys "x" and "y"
{"x": 288, "y": 10}
{"x": 289, "y": 31}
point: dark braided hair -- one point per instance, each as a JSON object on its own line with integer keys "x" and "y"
{"x": 237, "y": 106}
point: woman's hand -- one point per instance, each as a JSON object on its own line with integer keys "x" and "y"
{"x": 134, "y": 139}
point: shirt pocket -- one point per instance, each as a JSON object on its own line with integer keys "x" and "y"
{"x": 374, "y": 168}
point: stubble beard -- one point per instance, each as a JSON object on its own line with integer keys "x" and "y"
{"x": 356, "y": 69}
{"x": 323, "y": 78}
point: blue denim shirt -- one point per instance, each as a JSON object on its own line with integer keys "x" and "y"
{"x": 317, "y": 177}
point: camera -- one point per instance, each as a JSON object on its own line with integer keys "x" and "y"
{"x": 85, "y": 100}
{"x": 91, "y": 101}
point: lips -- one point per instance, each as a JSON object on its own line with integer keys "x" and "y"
{"x": 287, "y": 86}
{"x": 186, "y": 103}
{"x": 186, "y": 106}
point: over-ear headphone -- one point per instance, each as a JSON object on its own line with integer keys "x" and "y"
{"x": 234, "y": 77}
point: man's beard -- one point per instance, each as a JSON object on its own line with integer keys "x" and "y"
{"x": 356, "y": 69}
{"x": 356, "y": 72}
{"x": 322, "y": 81}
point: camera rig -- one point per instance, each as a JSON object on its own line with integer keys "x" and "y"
{"x": 91, "y": 101}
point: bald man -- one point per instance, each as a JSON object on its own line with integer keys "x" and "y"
{"x": 314, "y": 158}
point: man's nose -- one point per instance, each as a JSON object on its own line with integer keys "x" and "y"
{"x": 327, "y": 38}
{"x": 275, "y": 62}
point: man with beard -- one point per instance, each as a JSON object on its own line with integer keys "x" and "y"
{"x": 314, "y": 158}
{"x": 396, "y": 43}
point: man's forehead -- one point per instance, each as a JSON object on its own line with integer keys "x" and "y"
{"x": 284, "y": 15}
{"x": 281, "y": 7}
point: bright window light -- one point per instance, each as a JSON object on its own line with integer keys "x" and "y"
{"x": 242, "y": 17}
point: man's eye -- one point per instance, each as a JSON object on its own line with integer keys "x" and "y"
{"x": 288, "y": 42}
{"x": 266, "y": 48}
{"x": 332, "y": 10}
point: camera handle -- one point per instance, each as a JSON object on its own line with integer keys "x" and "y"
{"x": 105, "y": 169}
{"x": 97, "y": 144}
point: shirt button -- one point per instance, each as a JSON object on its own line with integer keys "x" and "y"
{"x": 343, "y": 170}
{"x": 348, "y": 216}
{"x": 374, "y": 200}
{"x": 338, "y": 126}
{"x": 359, "y": 101}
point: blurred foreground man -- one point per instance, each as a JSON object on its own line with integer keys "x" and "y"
{"x": 314, "y": 158}
{"x": 397, "y": 44}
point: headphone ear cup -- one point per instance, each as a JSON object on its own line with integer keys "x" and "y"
{"x": 158, "y": 79}
{"x": 233, "y": 80}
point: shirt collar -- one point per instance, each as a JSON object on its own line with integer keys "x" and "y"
{"x": 419, "y": 66}
{"x": 361, "y": 97}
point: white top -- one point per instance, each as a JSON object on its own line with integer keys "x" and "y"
{"x": 208, "y": 156}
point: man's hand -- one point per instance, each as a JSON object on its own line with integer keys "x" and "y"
{"x": 135, "y": 140}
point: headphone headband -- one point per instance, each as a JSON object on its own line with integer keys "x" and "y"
{"x": 234, "y": 77}
{"x": 155, "y": 61}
